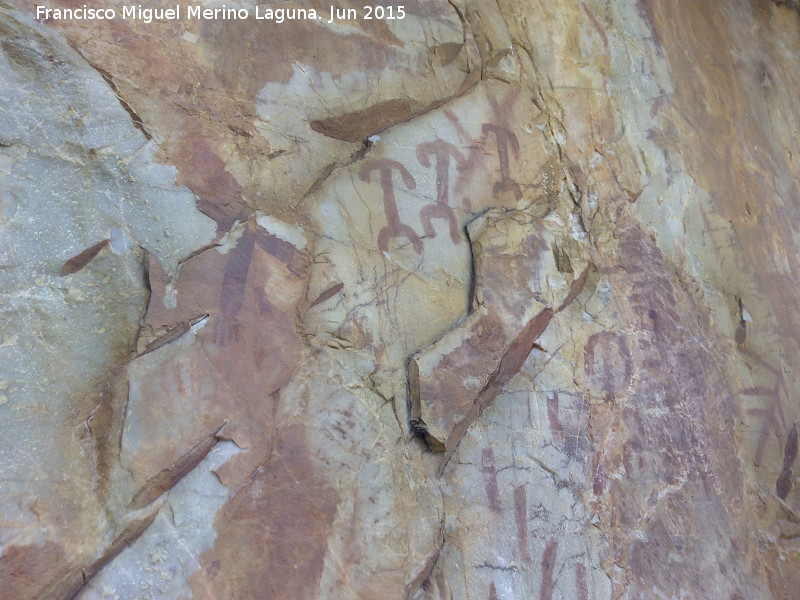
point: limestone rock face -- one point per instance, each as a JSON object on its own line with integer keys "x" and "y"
{"x": 493, "y": 301}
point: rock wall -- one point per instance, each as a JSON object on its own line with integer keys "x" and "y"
{"x": 493, "y": 301}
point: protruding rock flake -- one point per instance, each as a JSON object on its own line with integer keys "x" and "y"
{"x": 437, "y": 300}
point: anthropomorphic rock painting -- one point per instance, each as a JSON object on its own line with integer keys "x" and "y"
{"x": 466, "y": 300}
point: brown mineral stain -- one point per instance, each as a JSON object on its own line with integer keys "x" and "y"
{"x": 790, "y": 450}
{"x": 446, "y": 53}
{"x": 80, "y": 260}
{"x": 172, "y": 334}
{"x": 512, "y": 360}
{"x": 200, "y": 168}
{"x": 476, "y": 356}
{"x": 785, "y": 480}
{"x": 357, "y": 126}
{"x": 167, "y": 478}
{"x": 124, "y": 539}
{"x": 283, "y": 515}
{"x": 329, "y": 293}
{"x": 519, "y": 349}
{"x": 784, "y": 484}
{"x": 103, "y": 424}
{"x": 575, "y": 288}
{"x": 26, "y": 570}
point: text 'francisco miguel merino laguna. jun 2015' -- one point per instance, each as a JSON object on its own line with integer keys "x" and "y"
{"x": 137, "y": 12}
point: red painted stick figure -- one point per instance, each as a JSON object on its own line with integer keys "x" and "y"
{"x": 395, "y": 228}
{"x": 443, "y": 151}
{"x": 504, "y": 138}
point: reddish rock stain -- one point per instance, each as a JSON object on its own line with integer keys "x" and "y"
{"x": 581, "y": 585}
{"x": 521, "y": 518}
{"x": 548, "y": 568}
{"x": 25, "y": 571}
{"x": 598, "y": 28}
{"x": 556, "y": 429}
{"x": 283, "y": 516}
{"x": 608, "y": 364}
{"x": 492, "y": 592}
{"x": 490, "y": 478}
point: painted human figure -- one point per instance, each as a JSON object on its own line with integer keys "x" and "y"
{"x": 443, "y": 152}
{"x": 395, "y": 228}
{"x": 505, "y": 139}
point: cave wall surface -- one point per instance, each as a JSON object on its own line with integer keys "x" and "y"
{"x": 495, "y": 301}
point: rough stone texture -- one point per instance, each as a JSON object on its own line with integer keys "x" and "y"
{"x": 495, "y": 301}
